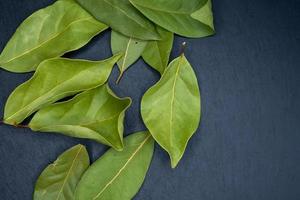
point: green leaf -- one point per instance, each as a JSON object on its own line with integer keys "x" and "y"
{"x": 157, "y": 53}
{"x": 175, "y": 15}
{"x": 118, "y": 175}
{"x": 205, "y": 15}
{"x": 122, "y": 17}
{"x": 55, "y": 79}
{"x": 48, "y": 33}
{"x": 96, "y": 114}
{"x": 171, "y": 108}
{"x": 130, "y": 47}
{"x": 59, "y": 180}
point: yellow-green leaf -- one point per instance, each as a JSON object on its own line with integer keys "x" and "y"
{"x": 122, "y": 17}
{"x": 59, "y": 180}
{"x": 48, "y": 33}
{"x": 55, "y": 79}
{"x": 171, "y": 108}
{"x": 175, "y": 16}
{"x": 131, "y": 48}
{"x": 118, "y": 175}
{"x": 157, "y": 52}
{"x": 205, "y": 15}
{"x": 95, "y": 114}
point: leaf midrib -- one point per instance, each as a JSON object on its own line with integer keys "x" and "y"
{"x": 45, "y": 95}
{"x": 52, "y": 37}
{"x": 125, "y": 56}
{"x": 124, "y": 12}
{"x": 82, "y": 125}
{"x": 173, "y": 99}
{"x": 122, "y": 168}
{"x": 68, "y": 174}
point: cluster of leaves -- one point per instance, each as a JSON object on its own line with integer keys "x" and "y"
{"x": 170, "y": 109}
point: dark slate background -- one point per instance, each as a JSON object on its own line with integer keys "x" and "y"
{"x": 247, "y": 146}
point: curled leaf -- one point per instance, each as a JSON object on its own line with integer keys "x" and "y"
{"x": 171, "y": 108}
{"x": 118, "y": 175}
{"x": 59, "y": 180}
{"x": 96, "y": 114}
{"x": 130, "y": 47}
{"x": 48, "y": 33}
{"x": 53, "y": 80}
{"x": 122, "y": 17}
{"x": 175, "y": 15}
{"x": 157, "y": 52}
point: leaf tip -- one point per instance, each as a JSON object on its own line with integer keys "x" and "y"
{"x": 174, "y": 163}
{"x": 175, "y": 158}
{"x": 79, "y": 146}
{"x": 119, "y": 148}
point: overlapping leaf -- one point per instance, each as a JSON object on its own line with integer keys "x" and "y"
{"x": 205, "y": 15}
{"x": 118, "y": 175}
{"x": 48, "y": 33}
{"x": 55, "y": 79}
{"x": 171, "y": 108}
{"x": 175, "y": 15}
{"x": 121, "y": 16}
{"x": 157, "y": 53}
{"x": 94, "y": 114}
{"x": 59, "y": 180}
{"x": 130, "y": 47}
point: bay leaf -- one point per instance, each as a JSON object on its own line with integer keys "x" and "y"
{"x": 131, "y": 48}
{"x": 122, "y": 17}
{"x": 95, "y": 114}
{"x": 205, "y": 15}
{"x": 171, "y": 108}
{"x": 157, "y": 53}
{"x": 48, "y": 33}
{"x": 175, "y": 16}
{"x": 118, "y": 175}
{"x": 59, "y": 180}
{"x": 53, "y": 80}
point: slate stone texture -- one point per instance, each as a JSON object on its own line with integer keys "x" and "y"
{"x": 247, "y": 146}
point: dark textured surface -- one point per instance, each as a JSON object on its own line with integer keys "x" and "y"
{"x": 247, "y": 147}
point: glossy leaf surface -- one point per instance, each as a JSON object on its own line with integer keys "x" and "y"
{"x": 171, "y": 108}
{"x": 131, "y": 48}
{"x": 48, "y": 33}
{"x": 55, "y": 79}
{"x": 205, "y": 15}
{"x": 122, "y": 17}
{"x": 118, "y": 175}
{"x": 157, "y": 53}
{"x": 175, "y": 15}
{"x": 59, "y": 180}
{"x": 96, "y": 114}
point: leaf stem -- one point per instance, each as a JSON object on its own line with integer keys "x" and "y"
{"x": 15, "y": 125}
{"x": 21, "y": 126}
{"x": 182, "y": 49}
{"x": 120, "y": 77}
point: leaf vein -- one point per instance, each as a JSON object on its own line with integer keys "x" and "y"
{"x": 120, "y": 171}
{"x": 133, "y": 19}
{"x": 173, "y": 98}
{"x": 68, "y": 174}
{"x": 46, "y": 41}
